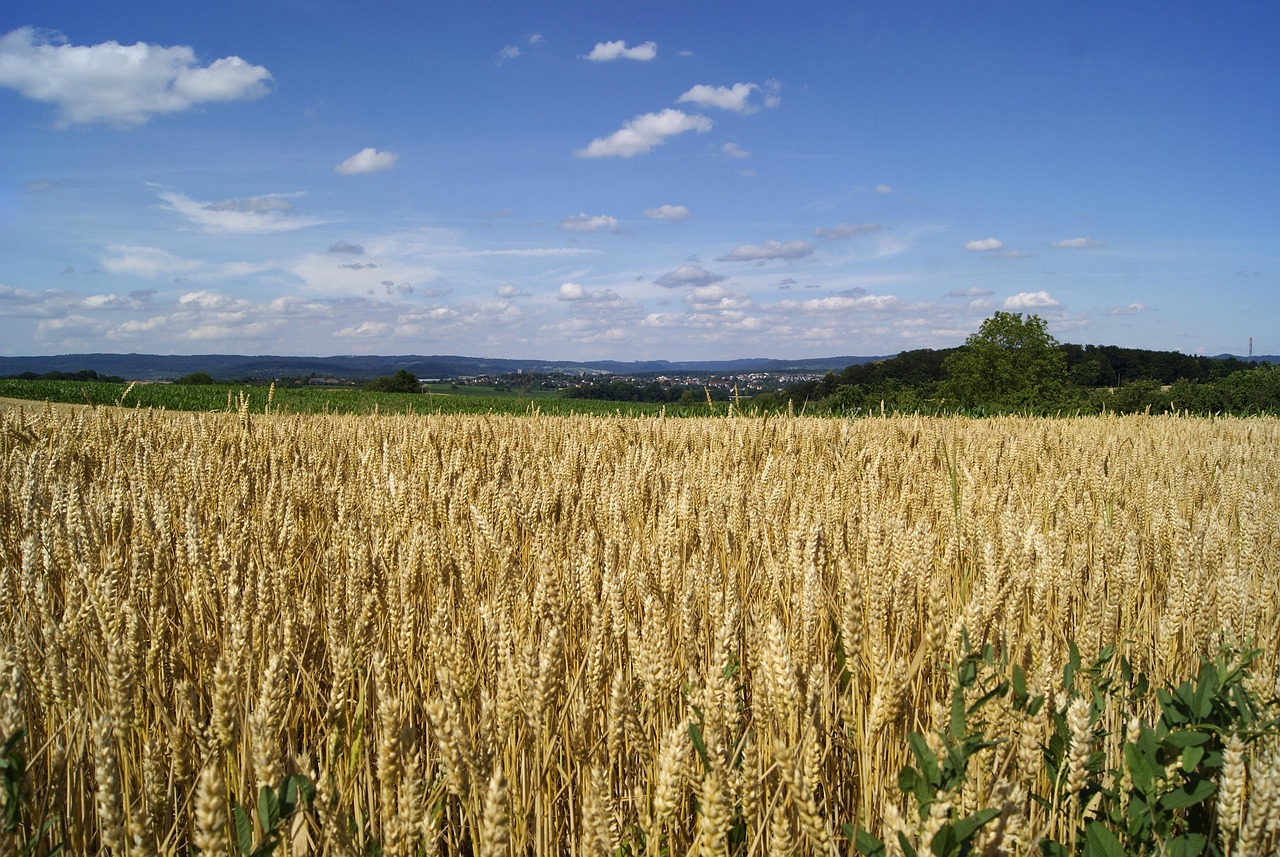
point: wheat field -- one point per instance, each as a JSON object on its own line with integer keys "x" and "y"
{"x": 588, "y": 635}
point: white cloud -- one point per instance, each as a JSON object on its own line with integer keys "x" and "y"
{"x": 364, "y": 330}
{"x": 238, "y": 216}
{"x": 510, "y": 290}
{"x": 789, "y": 250}
{"x": 1076, "y": 243}
{"x": 1131, "y": 309}
{"x": 733, "y": 150}
{"x": 367, "y": 160}
{"x": 842, "y": 303}
{"x": 123, "y": 85}
{"x": 609, "y": 51}
{"x": 1031, "y": 300}
{"x": 600, "y": 298}
{"x": 644, "y": 133}
{"x": 983, "y": 245}
{"x": 736, "y": 98}
{"x": 687, "y": 275}
{"x": 668, "y": 212}
{"x": 846, "y": 230}
{"x": 537, "y": 252}
{"x": 883, "y": 188}
{"x": 590, "y": 223}
{"x": 510, "y": 52}
{"x": 147, "y": 262}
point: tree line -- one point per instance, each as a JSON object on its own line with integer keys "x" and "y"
{"x": 1013, "y": 364}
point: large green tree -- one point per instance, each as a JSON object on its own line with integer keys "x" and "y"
{"x": 1011, "y": 363}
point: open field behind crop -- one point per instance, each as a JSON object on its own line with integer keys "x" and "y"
{"x": 503, "y": 634}
{"x": 439, "y": 399}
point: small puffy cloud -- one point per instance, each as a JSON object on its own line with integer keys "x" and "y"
{"x": 122, "y": 85}
{"x": 673, "y": 213}
{"x": 845, "y": 230}
{"x": 788, "y": 250}
{"x": 736, "y": 98}
{"x": 603, "y": 298}
{"x": 364, "y": 330}
{"x": 609, "y": 51}
{"x": 536, "y": 38}
{"x": 733, "y": 150}
{"x": 846, "y": 303}
{"x": 1076, "y": 243}
{"x": 346, "y": 247}
{"x": 1131, "y": 309}
{"x": 1031, "y": 300}
{"x": 367, "y": 160}
{"x": 644, "y": 133}
{"x": 590, "y": 223}
{"x": 883, "y": 188}
{"x": 688, "y": 275}
{"x": 984, "y": 245}
{"x": 510, "y": 52}
{"x": 972, "y": 292}
{"x": 253, "y": 215}
{"x": 509, "y": 290}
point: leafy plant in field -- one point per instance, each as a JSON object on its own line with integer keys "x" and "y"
{"x": 275, "y": 813}
{"x": 1176, "y": 787}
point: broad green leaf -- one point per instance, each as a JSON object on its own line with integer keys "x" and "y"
{"x": 1185, "y": 738}
{"x": 1101, "y": 842}
{"x": 1190, "y": 845}
{"x": 868, "y": 844}
{"x": 244, "y": 830}
{"x": 268, "y": 808}
{"x": 1142, "y": 768}
{"x": 1189, "y": 795}
{"x": 926, "y": 758}
{"x": 966, "y": 827}
{"x": 1049, "y": 848}
{"x": 945, "y": 843}
{"x": 1191, "y": 757}
{"x": 695, "y": 734}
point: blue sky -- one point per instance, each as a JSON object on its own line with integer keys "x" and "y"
{"x": 633, "y": 181}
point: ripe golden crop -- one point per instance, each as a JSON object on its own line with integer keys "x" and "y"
{"x": 559, "y": 635}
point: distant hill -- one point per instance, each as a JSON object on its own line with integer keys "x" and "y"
{"x": 159, "y": 367}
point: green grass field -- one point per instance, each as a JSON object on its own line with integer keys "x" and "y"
{"x": 439, "y": 399}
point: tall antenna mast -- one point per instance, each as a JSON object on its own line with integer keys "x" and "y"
{"x": 1250, "y": 349}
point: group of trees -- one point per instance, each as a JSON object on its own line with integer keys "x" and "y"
{"x": 1013, "y": 364}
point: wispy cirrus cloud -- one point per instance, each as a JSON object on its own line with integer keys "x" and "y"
{"x": 673, "y": 213}
{"x": 121, "y": 85}
{"x": 260, "y": 215}
{"x": 1083, "y": 243}
{"x": 644, "y": 133}
{"x": 846, "y": 230}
